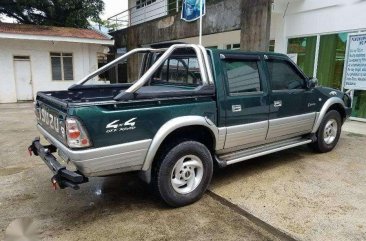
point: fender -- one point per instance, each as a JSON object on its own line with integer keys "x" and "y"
{"x": 320, "y": 115}
{"x": 173, "y": 125}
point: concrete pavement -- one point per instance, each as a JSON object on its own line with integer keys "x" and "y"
{"x": 296, "y": 193}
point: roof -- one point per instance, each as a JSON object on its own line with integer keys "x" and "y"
{"x": 51, "y": 33}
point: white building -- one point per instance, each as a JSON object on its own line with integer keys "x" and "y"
{"x": 35, "y": 58}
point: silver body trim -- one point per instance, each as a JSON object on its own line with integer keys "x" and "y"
{"x": 173, "y": 125}
{"x": 244, "y": 134}
{"x": 331, "y": 101}
{"x": 104, "y": 160}
{"x": 299, "y": 124}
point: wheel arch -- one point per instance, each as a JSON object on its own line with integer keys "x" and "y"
{"x": 178, "y": 126}
{"x": 332, "y": 103}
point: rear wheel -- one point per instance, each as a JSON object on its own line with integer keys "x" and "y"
{"x": 183, "y": 173}
{"x": 328, "y": 133}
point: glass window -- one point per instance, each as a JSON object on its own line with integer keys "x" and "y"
{"x": 233, "y": 46}
{"x": 305, "y": 50}
{"x": 242, "y": 76}
{"x": 284, "y": 76}
{"x": 359, "y": 104}
{"x": 182, "y": 70}
{"x": 62, "y": 66}
{"x": 272, "y": 45}
{"x": 332, "y": 51}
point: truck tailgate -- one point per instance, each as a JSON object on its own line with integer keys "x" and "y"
{"x": 52, "y": 119}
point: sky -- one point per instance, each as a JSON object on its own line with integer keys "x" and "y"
{"x": 111, "y": 8}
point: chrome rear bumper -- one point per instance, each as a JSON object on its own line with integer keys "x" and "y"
{"x": 104, "y": 160}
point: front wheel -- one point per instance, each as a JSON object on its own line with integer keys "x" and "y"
{"x": 328, "y": 133}
{"x": 183, "y": 174}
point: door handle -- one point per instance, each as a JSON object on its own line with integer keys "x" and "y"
{"x": 277, "y": 103}
{"x": 236, "y": 108}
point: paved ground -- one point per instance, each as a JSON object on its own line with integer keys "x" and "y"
{"x": 113, "y": 208}
{"x": 307, "y": 196}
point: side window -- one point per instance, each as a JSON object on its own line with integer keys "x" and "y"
{"x": 242, "y": 76}
{"x": 182, "y": 70}
{"x": 283, "y": 76}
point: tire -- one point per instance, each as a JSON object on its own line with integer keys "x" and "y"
{"x": 182, "y": 175}
{"x": 328, "y": 133}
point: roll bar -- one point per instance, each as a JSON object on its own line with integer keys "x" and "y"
{"x": 203, "y": 62}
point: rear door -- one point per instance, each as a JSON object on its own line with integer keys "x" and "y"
{"x": 246, "y": 103}
{"x": 290, "y": 114}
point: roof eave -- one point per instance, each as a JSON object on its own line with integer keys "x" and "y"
{"x": 56, "y": 38}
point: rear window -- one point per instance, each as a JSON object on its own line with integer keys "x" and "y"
{"x": 179, "y": 70}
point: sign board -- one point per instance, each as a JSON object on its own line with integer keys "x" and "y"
{"x": 355, "y": 64}
{"x": 191, "y": 10}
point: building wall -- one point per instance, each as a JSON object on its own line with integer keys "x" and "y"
{"x": 84, "y": 61}
{"x": 309, "y": 17}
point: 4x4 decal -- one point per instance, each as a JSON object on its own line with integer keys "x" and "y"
{"x": 116, "y": 126}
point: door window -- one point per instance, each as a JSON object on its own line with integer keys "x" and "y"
{"x": 242, "y": 76}
{"x": 284, "y": 76}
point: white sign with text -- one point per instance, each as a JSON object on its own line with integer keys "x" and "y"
{"x": 355, "y": 68}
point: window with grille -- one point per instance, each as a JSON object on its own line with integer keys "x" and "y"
{"x": 62, "y": 66}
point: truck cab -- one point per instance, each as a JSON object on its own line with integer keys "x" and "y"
{"x": 190, "y": 109}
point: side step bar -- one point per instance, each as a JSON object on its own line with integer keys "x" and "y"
{"x": 251, "y": 153}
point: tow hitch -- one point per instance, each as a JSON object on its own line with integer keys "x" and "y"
{"x": 63, "y": 178}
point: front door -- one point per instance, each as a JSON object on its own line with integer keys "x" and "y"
{"x": 289, "y": 114}
{"x": 23, "y": 78}
{"x": 246, "y": 104}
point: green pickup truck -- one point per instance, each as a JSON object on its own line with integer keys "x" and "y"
{"x": 190, "y": 110}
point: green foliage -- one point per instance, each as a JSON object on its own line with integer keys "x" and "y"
{"x": 62, "y": 13}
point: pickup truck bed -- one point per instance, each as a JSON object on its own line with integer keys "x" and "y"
{"x": 102, "y": 94}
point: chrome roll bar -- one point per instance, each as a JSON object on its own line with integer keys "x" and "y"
{"x": 115, "y": 62}
{"x": 202, "y": 57}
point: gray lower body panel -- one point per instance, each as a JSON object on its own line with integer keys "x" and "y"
{"x": 245, "y": 134}
{"x": 289, "y": 126}
{"x": 105, "y": 160}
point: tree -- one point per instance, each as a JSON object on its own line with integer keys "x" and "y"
{"x": 62, "y": 13}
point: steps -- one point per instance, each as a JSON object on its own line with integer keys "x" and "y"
{"x": 243, "y": 155}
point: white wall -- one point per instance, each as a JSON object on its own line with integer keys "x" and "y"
{"x": 84, "y": 58}
{"x": 312, "y": 17}
{"x": 149, "y": 12}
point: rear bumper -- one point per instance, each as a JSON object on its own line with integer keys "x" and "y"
{"x": 104, "y": 160}
{"x": 63, "y": 177}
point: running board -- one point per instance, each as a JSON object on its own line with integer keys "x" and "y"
{"x": 254, "y": 152}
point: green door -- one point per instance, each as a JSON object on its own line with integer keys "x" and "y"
{"x": 290, "y": 101}
{"x": 246, "y": 105}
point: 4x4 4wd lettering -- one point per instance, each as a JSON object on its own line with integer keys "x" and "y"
{"x": 115, "y": 126}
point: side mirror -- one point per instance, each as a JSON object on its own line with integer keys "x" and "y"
{"x": 311, "y": 82}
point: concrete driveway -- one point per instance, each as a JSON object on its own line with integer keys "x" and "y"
{"x": 111, "y": 208}
{"x": 294, "y": 194}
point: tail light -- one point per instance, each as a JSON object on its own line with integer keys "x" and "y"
{"x": 76, "y": 135}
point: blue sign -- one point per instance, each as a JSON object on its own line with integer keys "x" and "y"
{"x": 191, "y": 9}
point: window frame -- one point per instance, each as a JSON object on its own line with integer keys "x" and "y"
{"x": 241, "y": 57}
{"x": 292, "y": 66}
{"x": 62, "y": 65}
